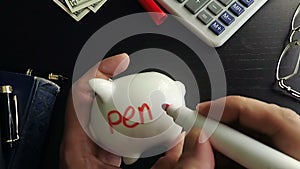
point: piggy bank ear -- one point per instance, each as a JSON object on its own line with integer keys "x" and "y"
{"x": 181, "y": 87}
{"x": 102, "y": 87}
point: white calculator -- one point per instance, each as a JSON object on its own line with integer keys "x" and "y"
{"x": 214, "y": 21}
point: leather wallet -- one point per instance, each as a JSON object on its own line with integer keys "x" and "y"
{"x": 36, "y": 99}
{"x": 2, "y": 166}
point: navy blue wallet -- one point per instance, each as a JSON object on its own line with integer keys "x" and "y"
{"x": 36, "y": 99}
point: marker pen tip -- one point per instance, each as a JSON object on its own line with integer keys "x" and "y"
{"x": 165, "y": 106}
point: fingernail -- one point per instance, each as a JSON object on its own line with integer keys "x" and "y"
{"x": 202, "y": 138}
{"x": 198, "y": 107}
{"x": 122, "y": 65}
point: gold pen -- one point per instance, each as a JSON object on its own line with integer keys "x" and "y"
{"x": 8, "y": 116}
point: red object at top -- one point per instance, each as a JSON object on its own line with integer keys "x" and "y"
{"x": 156, "y": 13}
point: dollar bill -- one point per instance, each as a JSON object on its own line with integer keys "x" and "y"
{"x": 94, "y": 7}
{"x": 76, "y": 5}
{"x": 78, "y": 15}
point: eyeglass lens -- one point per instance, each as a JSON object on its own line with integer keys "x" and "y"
{"x": 295, "y": 27}
{"x": 289, "y": 65}
{"x": 296, "y": 18}
{"x": 287, "y": 72}
{"x": 289, "y": 62}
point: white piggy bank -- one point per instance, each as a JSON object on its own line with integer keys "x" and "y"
{"x": 127, "y": 118}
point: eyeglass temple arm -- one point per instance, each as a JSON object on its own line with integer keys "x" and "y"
{"x": 288, "y": 88}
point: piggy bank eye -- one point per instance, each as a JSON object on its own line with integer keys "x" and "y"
{"x": 158, "y": 71}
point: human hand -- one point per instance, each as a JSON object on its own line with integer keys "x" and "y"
{"x": 279, "y": 125}
{"x": 77, "y": 150}
{"x": 188, "y": 153}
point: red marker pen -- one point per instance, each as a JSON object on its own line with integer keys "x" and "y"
{"x": 156, "y": 13}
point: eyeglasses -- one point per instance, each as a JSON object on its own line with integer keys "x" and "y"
{"x": 295, "y": 27}
{"x": 289, "y": 60}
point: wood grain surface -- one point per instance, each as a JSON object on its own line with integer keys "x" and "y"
{"x": 39, "y": 35}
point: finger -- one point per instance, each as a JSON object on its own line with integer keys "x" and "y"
{"x": 89, "y": 162}
{"x": 94, "y": 163}
{"x": 109, "y": 158}
{"x": 108, "y": 68}
{"x": 280, "y": 124}
{"x": 105, "y": 69}
{"x": 195, "y": 154}
{"x": 267, "y": 118}
{"x": 113, "y": 66}
{"x": 82, "y": 94}
{"x": 81, "y": 97}
{"x": 171, "y": 157}
{"x": 82, "y": 155}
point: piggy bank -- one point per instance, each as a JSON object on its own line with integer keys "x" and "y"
{"x": 127, "y": 117}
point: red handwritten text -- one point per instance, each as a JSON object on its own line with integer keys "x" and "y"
{"x": 127, "y": 116}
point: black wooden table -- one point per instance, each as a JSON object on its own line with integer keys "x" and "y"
{"x": 39, "y": 35}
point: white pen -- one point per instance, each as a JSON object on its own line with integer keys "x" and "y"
{"x": 237, "y": 146}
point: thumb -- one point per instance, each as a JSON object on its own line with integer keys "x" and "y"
{"x": 113, "y": 66}
{"x": 196, "y": 153}
{"x": 105, "y": 69}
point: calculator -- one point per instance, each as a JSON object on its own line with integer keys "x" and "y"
{"x": 213, "y": 21}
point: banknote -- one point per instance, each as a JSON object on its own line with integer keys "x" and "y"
{"x": 76, "y": 5}
{"x": 94, "y": 7}
{"x": 78, "y": 15}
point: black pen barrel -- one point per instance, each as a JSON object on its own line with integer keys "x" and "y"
{"x": 7, "y": 117}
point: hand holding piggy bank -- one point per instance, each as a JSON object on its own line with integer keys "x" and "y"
{"x": 127, "y": 118}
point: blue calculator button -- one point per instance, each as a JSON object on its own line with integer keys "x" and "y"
{"x": 247, "y": 3}
{"x": 217, "y": 28}
{"x": 226, "y": 18}
{"x": 237, "y": 9}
